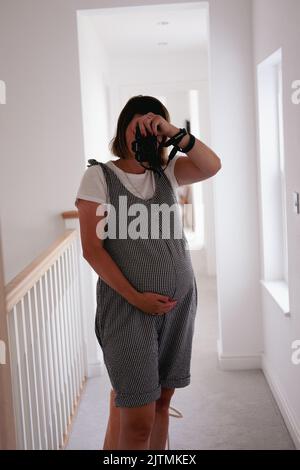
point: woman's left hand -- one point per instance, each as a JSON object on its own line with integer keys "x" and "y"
{"x": 155, "y": 125}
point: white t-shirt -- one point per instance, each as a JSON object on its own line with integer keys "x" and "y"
{"x": 93, "y": 185}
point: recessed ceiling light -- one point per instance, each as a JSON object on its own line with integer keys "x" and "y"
{"x": 163, "y": 23}
{"x": 162, "y": 43}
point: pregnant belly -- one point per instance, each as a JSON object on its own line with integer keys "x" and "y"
{"x": 161, "y": 266}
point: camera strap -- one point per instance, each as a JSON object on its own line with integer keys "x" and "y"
{"x": 173, "y": 141}
{"x": 151, "y": 154}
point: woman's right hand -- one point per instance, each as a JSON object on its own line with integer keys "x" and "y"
{"x": 155, "y": 304}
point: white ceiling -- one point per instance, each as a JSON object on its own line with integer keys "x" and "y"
{"x": 136, "y": 30}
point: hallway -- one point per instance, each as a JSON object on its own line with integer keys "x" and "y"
{"x": 221, "y": 409}
{"x": 228, "y": 74}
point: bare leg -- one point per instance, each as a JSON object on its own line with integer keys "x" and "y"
{"x": 136, "y": 426}
{"x": 159, "y": 433}
{"x": 113, "y": 427}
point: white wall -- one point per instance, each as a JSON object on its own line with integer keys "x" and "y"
{"x": 157, "y": 72}
{"x": 95, "y": 81}
{"x": 41, "y": 127}
{"x": 236, "y": 205}
{"x": 276, "y": 23}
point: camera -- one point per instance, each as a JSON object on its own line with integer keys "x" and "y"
{"x": 147, "y": 150}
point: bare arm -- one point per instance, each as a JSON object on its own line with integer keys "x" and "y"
{"x": 103, "y": 264}
{"x": 200, "y": 164}
{"x": 186, "y": 172}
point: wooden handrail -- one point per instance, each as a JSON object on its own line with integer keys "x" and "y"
{"x": 70, "y": 215}
{"x": 25, "y": 280}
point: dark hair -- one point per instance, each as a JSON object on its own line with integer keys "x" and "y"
{"x": 137, "y": 105}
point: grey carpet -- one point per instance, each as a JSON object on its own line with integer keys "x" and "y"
{"x": 221, "y": 409}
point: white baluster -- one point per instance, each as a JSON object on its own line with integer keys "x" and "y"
{"x": 18, "y": 390}
{"x": 61, "y": 345}
{"x": 34, "y": 366}
{"x": 68, "y": 331}
{"x": 57, "y": 356}
{"x": 46, "y": 371}
{"x": 27, "y": 385}
{"x": 41, "y": 365}
{"x": 64, "y": 339}
{"x": 53, "y": 377}
{"x": 76, "y": 323}
{"x": 71, "y": 325}
{"x": 78, "y": 313}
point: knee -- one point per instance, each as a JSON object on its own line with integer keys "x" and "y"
{"x": 140, "y": 430}
{"x": 163, "y": 403}
{"x": 138, "y": 425}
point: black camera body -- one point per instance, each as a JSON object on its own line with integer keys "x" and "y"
{"x": 147, "y": 150}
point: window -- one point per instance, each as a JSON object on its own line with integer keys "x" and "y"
{"x": 272, "y": 179}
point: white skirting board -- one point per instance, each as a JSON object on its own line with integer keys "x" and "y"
{"x": 238, "y": 362}
{"x": 285, "y": 409}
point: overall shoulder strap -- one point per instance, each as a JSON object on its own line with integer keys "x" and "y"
{"x": 92, "y": 162}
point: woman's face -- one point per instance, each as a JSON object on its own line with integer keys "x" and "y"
{"x": 130, "y": 134}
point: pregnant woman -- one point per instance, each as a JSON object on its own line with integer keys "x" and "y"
{"x": 146, "y": 289}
